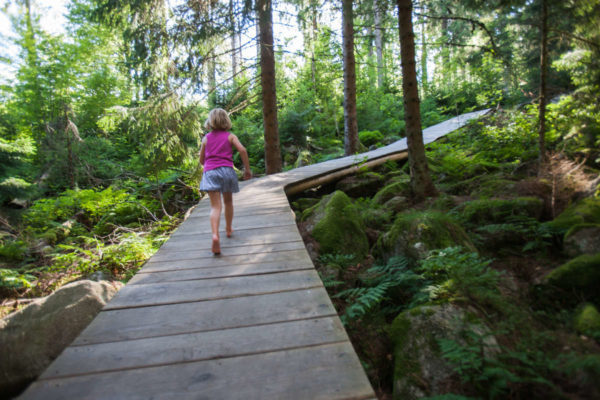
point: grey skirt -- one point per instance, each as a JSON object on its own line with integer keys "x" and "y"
{"x": 222, "y": 179}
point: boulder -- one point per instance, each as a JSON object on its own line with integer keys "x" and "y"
{"x": 362, "y": 185}
{"x": 586, "y": 211}
{"x": 399, "y": 186}
{"x": 414, "y": 234}
{"x": 581, "y": 274}
{"x": 336, "y": 225}
{"x": 34, "y": 336}
{"x": 587, "y": 321}
{"x": 419, "y": 368}
{"x": 582, "y": 239}
{"x": 497, "y": 211}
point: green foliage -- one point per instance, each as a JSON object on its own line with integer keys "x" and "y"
{"x": 12, "y": 279}
{"x": 370, "y": 138}
{"x": 456, "y": 274}
{"x": 14, "y": 250}
{"x": 378, "y": 283}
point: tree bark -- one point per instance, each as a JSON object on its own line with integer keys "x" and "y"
{"x": 267, "y": 78}
{"x": 378, "y": 4}
{"x": 421, "y": 183}
{"x": 350, "y": 123}
{"x": 234, "y": 52}
{"x": 543, "y": 72}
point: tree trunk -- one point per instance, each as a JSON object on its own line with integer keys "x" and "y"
{"x": 267, "y": 79}
{"x": 378, "y": 4}
{"x": 350, "y": 123}
{"x": 543, "y": 72}
{"x": 421, "y": 183}
{"x": 424, "y": 72}
{"x": 234, "y": 52}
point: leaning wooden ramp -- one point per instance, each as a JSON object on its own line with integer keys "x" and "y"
{"x": 254, "y": 323}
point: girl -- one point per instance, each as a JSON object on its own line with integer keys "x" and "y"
{"x": 216, "y": 156}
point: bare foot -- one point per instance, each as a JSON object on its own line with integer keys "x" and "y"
{"x": 229, "y": 233}
{"x": 216, "y": 246}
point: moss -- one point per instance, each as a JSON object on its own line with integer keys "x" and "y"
{"x": 399, "y": 186}
{"x": 587, "y": 321}
{"x": 304, "y": 203}
{"x": 406, "y": 363}
{"x": 493, "y": 211}
{"x": 578, "y": 227}
{"x": 433, "y": 229}
{"x": 340, "y": 229}
{"x": 584, "y": 211}
{"x": 492, "y": 187}
{"x": 581, "y": 273}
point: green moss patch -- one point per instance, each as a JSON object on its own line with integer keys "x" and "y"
{"x": 581, "y": 273}
{"x": 494, "y": 211}
{"x": 399, "y": 186}
{"x": 413, "y": 234}
{"x": 587, "y": 321}
{"x": 584, "y": 211}
{"x": 340, "y": 230}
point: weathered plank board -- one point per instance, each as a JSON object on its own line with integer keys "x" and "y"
{"x": 171, "y": 319}
{"x": 210, "y": 289}
{"x": 324, "y": 372}
{"x": 222, "y": 272}
{"x": 225, "y": 261}
{"x": 198, "y": 346}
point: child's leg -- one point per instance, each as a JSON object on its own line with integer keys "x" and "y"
{"x": 228, "y": 200}
{"x": 215, "y": 216}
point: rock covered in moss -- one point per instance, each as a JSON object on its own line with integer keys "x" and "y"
{"x": 414, "y": 234}
{"x": 581, "y": 274}
{"x": 586, "y": 211}
{"x": 398, "y": 186}
{"x": 582, "y": 239}
{"x": 419, "y": 368}
{"x": 496, "y": 211}
{"x": 587, "y": 321}
{"x": 336, "y": 225}
{"x": 362, "y": 185}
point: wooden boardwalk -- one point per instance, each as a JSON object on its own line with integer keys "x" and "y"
{"x": 253, "y": 323}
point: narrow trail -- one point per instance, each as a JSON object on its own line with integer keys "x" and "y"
{"x": 253, "y": 323}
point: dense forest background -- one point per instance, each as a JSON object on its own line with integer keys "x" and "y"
{"x": 100, "y": 125}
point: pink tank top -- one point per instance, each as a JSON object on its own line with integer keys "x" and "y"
{"x": 218, "y": 151}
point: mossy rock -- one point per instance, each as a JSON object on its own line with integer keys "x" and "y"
{"x": 491, "y": 187}
{"x": 496, "y": 211}
{"x": 582, "y": 239}
{"x": 304, "y": 203}
{"x": 419, "y": 368}
{"x": 584, "y": 211}
{"x": 581, "y": 274}
{"x": 338, "y": 227}
{"x": 414, "y": 234}
{"x": 362, "y": 185}
{"x": 587, "y": 321}
{"x": 398, "y": 186}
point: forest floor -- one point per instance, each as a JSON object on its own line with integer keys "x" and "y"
{"x": 542, "y": 355}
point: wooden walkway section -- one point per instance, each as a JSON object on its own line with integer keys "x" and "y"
{"x": 253, "y": 323}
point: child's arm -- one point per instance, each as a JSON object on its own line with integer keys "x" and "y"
{"x": 235, "y": 142}
{"x": 202, "y": 152}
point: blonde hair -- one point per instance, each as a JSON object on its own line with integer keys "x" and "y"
{"x": 218, "y": 120}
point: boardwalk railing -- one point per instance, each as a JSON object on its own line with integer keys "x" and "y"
{"x": 253, "y": 323}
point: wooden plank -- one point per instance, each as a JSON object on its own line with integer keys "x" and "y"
{"x": 199, "y": 346}
{"x": 326, "y": 372}
{"x": 196, "y": 225}
{"x": 226, "y": 261}
{"x": 242, "y": 211}
{"x": 174, "y": 255}
{"x": 221, "y": 272}
{"x": 137, "y": 323}
{"x": 243, "y": 237}
{"x": 210, "y": 289}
